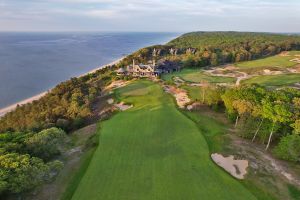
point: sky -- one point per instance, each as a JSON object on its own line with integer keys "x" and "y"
{"x": 150, "y": 15}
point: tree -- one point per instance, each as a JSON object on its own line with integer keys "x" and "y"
{"x": 242, "y": 107}
{"x": 214, "y": 59}
{"x": 20, "y": 173}
{"x": 289, "y": 148}
{"x": 296, "y": 127}
{"x": 46, "y": 143}
{"x": 277, "y": 112}
{"x": 204, "y": 86}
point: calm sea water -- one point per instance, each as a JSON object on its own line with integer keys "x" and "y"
{"x": 31, "y": 63}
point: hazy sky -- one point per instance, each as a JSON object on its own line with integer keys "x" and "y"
{"x": 150, "y": 15}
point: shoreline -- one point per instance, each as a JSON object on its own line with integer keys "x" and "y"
{"x": 12, "y": 107}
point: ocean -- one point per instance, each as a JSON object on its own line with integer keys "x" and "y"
{"x": 31, "y": 63}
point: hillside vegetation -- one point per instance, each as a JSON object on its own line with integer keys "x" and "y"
{"x": 153, "y": 147}
{"x": 153, "y": 151}
{"x": 279, "y": 61}
{"x": 216, "y": 48}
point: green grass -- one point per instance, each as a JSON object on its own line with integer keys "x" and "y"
{"x": 214, "y": 132}
{"x": 294, "y": 192}
{"x": 194, "y": 93}
{"x": 153, "y": 151}
{"x": 274, "y": 80}
{"x": 75, "y": 177}
{"x": 273, "y": 61}
{"x": 196, "y": 76}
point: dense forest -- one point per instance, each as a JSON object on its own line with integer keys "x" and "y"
{"x": 32, "y": 136}
{"x": 27, "y": 159}
{"x": 66, "y": 106}
{"x": 262, "y": 115}
{"x": 201, "y": 49}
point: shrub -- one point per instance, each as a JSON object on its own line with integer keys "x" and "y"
{"x": 19, "y": 173}
{"x": 46, "y": 143}
{"x": 289, "y": 148}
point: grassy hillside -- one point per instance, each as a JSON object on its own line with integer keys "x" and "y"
{"x": 275, "y": 80}
{"x": 153, "y": 151}
{"x": 196, "y": 76}
{"x": 274, "y": 61}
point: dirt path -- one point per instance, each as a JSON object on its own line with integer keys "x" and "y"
{"x": 231, "y": 72}
{"x": 264, "y": 170}
{"x": 240, "y": 78}
{"x": 263, "y": 162}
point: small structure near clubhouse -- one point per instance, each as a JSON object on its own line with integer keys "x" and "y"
{"x": 148, "y": 70}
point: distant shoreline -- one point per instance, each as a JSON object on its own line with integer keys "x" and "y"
{"x": 10, "y": 108}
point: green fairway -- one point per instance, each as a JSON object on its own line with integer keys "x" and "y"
{"x": 196, "y": 76}
{"x": 275, "y": 80}
{"x": 154, "y": 152}
{"x": 194, "y": 92}
{"x": 273, "y": 61}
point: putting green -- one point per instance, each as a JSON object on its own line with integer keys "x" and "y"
{"x": 274, "y": 80}
{"x": 273, "y": 61}
{"x": 154, "y": 152}
{"x": 197, "y": 76}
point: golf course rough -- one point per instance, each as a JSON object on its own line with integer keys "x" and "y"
{"x": 154, "y": 152}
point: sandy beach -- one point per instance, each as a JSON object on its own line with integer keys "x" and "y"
{"x": 12, "y": 107}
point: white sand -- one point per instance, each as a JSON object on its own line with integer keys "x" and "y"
{"x": 117, "y": 84}
{"x": 237, "y": 168}
{"x": 12, "y": 107}
{"x": 180, "y": 95}
{"x": 110, "y": 101}
{"x": 296, "y": 60}
{"x": 121, "y": 106}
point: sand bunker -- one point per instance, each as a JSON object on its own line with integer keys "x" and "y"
{"x": 236, "y": 168}
{"x": 178, "y": 80}
{"x": 284, "y": 53}
{"x": 271, "y": 72}
{"x": 110, "y": 101}
{"x": 117, "y": 84}
{"x": 295, "y": 69}
{"x": 121, "y": 106}
{"x": 193, "y": 106}
{"x": 180, "y": 95}
{"x": 297, "y": 60}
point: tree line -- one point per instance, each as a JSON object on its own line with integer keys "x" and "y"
{"x": 201, "y": 49}
{"x": 27, "y": 159}
{"x": 66, "y": 106}
{"x": 268, "y": 116}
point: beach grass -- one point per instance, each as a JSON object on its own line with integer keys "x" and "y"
{"x": 153, "y": 151}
